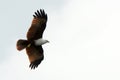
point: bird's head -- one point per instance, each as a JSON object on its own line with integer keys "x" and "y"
{"x": 46, "y": 41}
{"x": 41, "y": 41}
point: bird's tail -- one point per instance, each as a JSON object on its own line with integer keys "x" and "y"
{"x": 21, "y": 44}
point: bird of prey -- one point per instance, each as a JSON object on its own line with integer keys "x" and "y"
{"x": 34, "y": 41}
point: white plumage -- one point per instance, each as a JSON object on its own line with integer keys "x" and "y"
{"x": 40, "y": 41}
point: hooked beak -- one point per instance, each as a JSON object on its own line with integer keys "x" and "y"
{"x": 48, "y": 41}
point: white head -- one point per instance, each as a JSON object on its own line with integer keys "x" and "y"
{"x": 40, "y": 41}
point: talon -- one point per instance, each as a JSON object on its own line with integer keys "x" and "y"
{"x": 29, "y": 45}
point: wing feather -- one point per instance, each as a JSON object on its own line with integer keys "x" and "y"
{"x": 35, "y": 55}
{"x": 38, "y": 25}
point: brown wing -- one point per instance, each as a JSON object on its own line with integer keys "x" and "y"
{"x": 38, "y": 25}
{"x": 35, "y": 55}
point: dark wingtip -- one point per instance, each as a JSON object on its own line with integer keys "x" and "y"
{"x": 40, "y": 14}
{"x": 34, "y": 16}
{"x": 35, "y": 63}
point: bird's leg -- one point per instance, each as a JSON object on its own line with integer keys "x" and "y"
{"x": 29, "y": 45}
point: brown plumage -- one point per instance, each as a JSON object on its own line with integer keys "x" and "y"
{"x": 34, "y": 51}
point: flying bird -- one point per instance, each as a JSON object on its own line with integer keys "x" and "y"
{"x": 34, "y": 42}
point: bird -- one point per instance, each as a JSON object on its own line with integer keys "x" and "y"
{"x": 33, "y": 43}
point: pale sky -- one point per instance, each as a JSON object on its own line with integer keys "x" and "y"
{"x": 84, "y": 40}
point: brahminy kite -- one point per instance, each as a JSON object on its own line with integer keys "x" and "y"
{"x": 34, "y": 41}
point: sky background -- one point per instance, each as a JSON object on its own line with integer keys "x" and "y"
{"x": 84, "y": 40}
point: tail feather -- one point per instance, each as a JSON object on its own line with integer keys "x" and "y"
{"x": 21, "y": 44}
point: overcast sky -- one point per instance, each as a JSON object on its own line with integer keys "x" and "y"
{"x": 84, "y": 40}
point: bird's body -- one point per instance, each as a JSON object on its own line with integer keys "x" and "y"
{"x": 34, "y": 41}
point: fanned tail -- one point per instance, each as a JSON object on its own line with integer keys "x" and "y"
{"x": 21, "y": 44}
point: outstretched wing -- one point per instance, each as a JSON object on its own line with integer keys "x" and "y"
{"x": 35, "y": 55}
{"x": 38, "y": 25}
